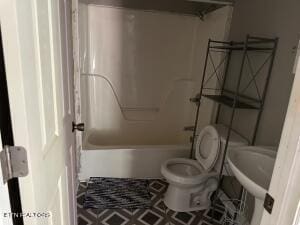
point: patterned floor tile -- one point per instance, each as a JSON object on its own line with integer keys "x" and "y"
{"x": 160, "y": 206}
{"x": 85, "y": 221}
{"x": 85, "y": 216}
{"x": 185, "y": 218}
{"x": 149, "y": 217}
{"x": 114, "y": 217}
{"x": 82, "y": 187}
{"x": 215, "y": 216}
{"x": 158, "y": 186}
{"x": 158, "y": 214}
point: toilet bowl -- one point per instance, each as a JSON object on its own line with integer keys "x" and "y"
{"x": 192, "y": 182}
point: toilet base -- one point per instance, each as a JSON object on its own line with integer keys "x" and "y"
{"x": 181, "y": 199}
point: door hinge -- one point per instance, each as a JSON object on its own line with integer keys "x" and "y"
{"x": 268, "y": 203}
{"x": 13, "y": 162}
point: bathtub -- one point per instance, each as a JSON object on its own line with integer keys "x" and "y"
{"x": 136, "y": 161}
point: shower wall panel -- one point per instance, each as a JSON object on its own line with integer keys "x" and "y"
{"x": 138, "y": 71}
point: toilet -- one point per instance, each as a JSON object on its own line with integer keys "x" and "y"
{"x": 192, "y": 182}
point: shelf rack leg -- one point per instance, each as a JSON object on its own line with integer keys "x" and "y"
{"x": 230, "y": 126}
{"x": 199, "y": 101}
{"x": 264, "y": 92}
{"x": 223, "y": 83}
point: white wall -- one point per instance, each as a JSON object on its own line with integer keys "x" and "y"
{"x": 148, "y": 65}
{"x": 271, "y": 18}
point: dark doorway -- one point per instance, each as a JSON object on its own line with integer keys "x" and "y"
{"x": 7, "y": 138}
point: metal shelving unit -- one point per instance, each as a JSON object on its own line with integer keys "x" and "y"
{"x": 237, "y": 98}
{"x": 191, "y": 7}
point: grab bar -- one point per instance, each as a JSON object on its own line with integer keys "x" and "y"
{"x": 122, "y": 109}
{"x": 140, "y": 109}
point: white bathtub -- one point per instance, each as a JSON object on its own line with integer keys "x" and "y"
{"x": 140, "y": 161}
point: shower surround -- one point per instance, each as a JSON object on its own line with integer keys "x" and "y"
{"x": 138, "y": 70}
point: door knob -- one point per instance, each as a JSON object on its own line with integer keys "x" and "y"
{"x": 78, "y": 126}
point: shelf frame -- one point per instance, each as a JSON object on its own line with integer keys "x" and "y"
{"x": 228, "y": 101}
{"x": 235, "y": 99}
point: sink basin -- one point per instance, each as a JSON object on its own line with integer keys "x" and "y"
{"x": 253, "y": 168}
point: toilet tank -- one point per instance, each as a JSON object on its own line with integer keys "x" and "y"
{"x": 234, "y": 141}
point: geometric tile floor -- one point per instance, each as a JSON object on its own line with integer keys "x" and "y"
{"x": 158, "y": 214}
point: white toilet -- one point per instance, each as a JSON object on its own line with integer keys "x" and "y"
{"x": 191, "y": 182}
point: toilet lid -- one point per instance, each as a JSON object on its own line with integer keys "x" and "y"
{"x": 207, "y": 147}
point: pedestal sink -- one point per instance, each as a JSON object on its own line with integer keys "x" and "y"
{"x": 253, "y": 168}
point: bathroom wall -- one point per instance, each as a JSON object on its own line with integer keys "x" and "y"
{"x": 270, "y": 18}
{"x": 138, "y": 71}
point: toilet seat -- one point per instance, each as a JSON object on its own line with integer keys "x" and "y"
{"x": 181, "y": 174}
{"x": 207, "y": 147}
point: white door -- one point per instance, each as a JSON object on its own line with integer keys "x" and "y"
{"x": 4, "y": 199}
{"x": 285, "y": 183}
{"x": 37, "y": 46}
